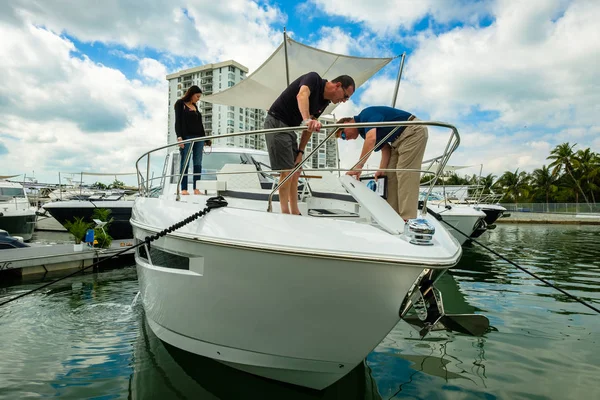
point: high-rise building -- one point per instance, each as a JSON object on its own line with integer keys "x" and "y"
{"x": 221, "y": 119}
{"x": 218, "y": 119}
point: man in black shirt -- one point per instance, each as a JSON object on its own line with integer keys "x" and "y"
{"x": 300, "y": 104}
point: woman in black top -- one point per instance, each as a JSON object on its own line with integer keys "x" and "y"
{"x": 188, "y": 125}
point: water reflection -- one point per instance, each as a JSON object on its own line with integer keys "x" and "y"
{"x": 166, "y": 372}
{"x": 84, "y": 339}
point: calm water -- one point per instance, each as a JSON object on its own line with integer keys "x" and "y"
{"x": 87, "y": 337}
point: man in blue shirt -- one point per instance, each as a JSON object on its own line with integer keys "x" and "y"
{"x": 402, "y": 150}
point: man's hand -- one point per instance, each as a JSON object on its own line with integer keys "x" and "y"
{"x": 313, "y": 126}
{"x": 355, "y": 173}
{"x": 181, "y": 146}
{"x": 379, "y": 174}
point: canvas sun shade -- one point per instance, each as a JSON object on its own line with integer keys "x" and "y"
{"x": 264, "y": 85}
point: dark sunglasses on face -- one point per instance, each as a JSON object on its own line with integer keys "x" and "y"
{"x": 346, "y": 96}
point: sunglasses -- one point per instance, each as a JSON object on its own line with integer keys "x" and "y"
{"x": 346, "y": 96}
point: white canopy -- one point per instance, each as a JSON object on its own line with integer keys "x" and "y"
{"x": 264, "y": 85}
{"x": 447, "y": 168}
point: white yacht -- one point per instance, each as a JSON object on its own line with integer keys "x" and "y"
{"x": 16, "y": 216}
{"x": 460, "y": 217}
{"x": 300, "y": 299}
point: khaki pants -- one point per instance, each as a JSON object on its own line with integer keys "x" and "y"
{"x": 403, "y": 186}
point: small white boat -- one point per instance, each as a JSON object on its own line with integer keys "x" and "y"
{"x": 16, "y": 216}
{"x": 460, "y": 217}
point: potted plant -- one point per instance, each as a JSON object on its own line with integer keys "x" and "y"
{"x": 103, "y": 239}
{"x": 78, "y": 228}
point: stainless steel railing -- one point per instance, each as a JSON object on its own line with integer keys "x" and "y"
{"x": 451, "y": 145}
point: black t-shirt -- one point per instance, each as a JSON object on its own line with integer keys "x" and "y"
{"x": 188, "y": 123}
{"x": 285, "y": 108}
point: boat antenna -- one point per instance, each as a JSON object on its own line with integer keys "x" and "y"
{"x": 395, "y": 96}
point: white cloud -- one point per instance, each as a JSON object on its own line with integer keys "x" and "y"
{"x": 529, "y": 66}
{"x": 535, "y": 69}
{"x": 69, "y": 113}
{"x": 533, "y": 72}
{"x": 152, "y": 69}
{"x": 203, "y": 29}
{"x": 387, "y": 16}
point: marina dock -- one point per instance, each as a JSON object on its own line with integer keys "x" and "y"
{"x": 39, "y": 259}
{"x": 550, "y": 218}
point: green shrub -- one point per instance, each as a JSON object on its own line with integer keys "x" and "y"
{"x": 103, "y": 238}
{"x": 78, "y": 228}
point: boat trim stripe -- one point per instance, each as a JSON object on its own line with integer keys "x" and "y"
{"x": 312, "y": 254}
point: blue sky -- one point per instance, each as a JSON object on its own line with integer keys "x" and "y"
{"x": 82, "y": 86}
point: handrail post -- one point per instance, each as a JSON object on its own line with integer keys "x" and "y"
{"x": 148, "y": 175}
{"x": 185, "y": 167}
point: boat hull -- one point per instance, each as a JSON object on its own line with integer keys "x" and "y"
{"x": 492, "y": 214}
{"x": 119, "y": 228}
{"x": 298, "y": 299}
{"x": 464, "y": 219}
{"x": 316, "y": 324}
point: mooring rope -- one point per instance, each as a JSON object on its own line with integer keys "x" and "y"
{"x": 573, "y": 297}
{"x": 211, "y": 203}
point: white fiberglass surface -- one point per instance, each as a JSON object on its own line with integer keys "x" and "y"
{"x": 293, "y": 233}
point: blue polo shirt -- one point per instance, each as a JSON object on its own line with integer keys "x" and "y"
{"x": 382, "y": 114}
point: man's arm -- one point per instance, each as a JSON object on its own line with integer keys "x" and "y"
{"x": 368, "y": 145}
{"x": 386, "y": 152}
{"x": 303, "y": 142}
{"x": 303, "y": 104}
{"x": 304, "y": 108}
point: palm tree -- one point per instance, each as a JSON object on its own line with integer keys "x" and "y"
{"x": 515, "y": 184}
{"x": 587, "y": 164}
{"x": 563, "y": 156}
{"x": 486, "y": 183}
{"x": 543, "y": 182}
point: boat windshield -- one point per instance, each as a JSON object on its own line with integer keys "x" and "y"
{"x": 214, "y": 162}
{"x": 9, "y": 193}
{"x": 432, "y": 196}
